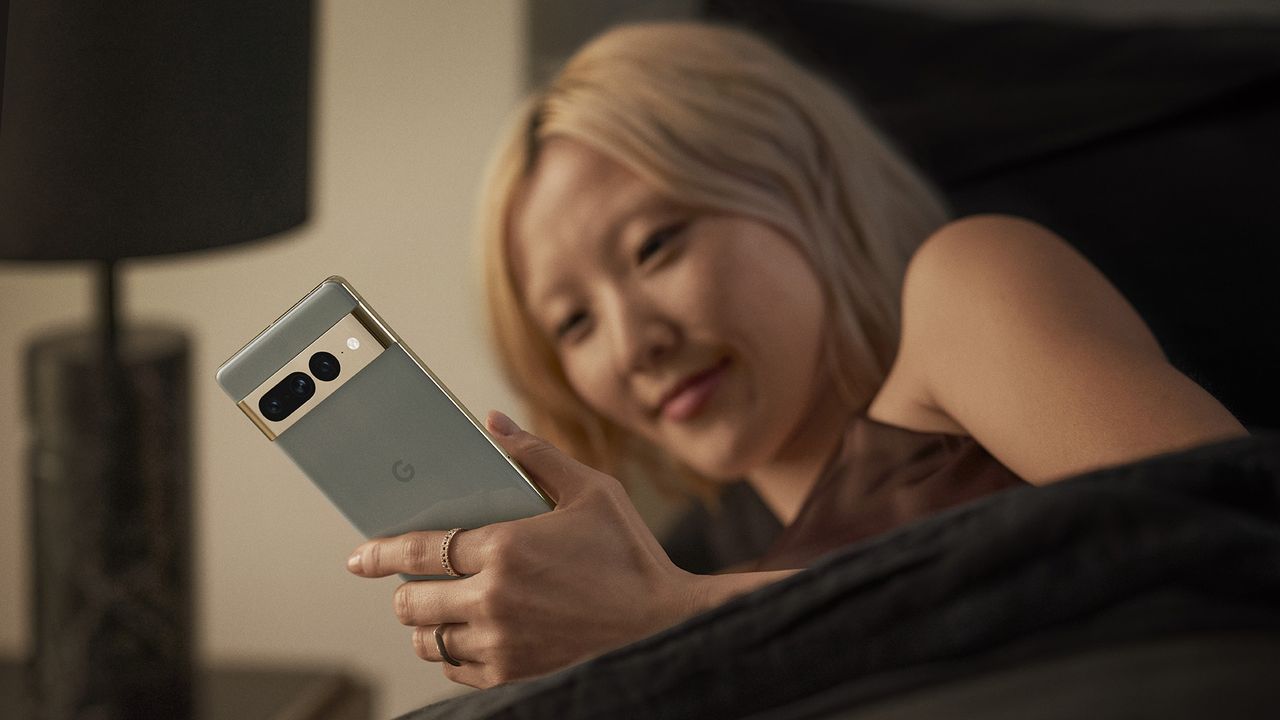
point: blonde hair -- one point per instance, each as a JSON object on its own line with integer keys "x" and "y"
{"x": 719, "y": 120}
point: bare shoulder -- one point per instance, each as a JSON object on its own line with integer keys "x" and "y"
{"x": 1021, "y": 270}
{"x": 1014, "y": 337}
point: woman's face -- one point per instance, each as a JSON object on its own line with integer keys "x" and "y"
{"x": 701, "y": 332}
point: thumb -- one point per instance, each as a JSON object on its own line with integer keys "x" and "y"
{"x": 559, "y": 475}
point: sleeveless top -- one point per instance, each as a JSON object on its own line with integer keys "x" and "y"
{"x": 883, "y": 476}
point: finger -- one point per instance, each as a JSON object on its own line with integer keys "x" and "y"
{"x": 469, "y": 673}
{"x": 458, "y": 640}
{"x": 428, "y": 603}
{"x": 418, "y": 553}
{"x": 557, "y": 474}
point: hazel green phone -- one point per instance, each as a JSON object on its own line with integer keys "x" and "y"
{"x": 336, "y": 389}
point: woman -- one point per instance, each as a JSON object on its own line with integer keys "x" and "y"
{"x": 702, "y": 262}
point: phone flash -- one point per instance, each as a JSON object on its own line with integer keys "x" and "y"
{"x": 353, "y": 343}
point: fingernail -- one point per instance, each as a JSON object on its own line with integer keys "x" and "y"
{"x": 353, "y": 563}
{"x": 502, "y": 424}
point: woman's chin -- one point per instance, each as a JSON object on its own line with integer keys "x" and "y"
{"x": 716, "y": 449}
{"x": 726, "y": 466}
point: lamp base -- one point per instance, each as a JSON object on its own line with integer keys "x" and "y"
{"x": 111, "y": 526}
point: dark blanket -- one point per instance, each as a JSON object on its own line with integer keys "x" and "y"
{"x": 1175, "y": 546}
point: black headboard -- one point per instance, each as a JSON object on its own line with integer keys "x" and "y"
{"x": 1154, "y": 148}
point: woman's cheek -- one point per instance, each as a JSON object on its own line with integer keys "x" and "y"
{"x": 588, "y": 376}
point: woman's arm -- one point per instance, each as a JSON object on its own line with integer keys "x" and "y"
{"x": 1018, "y": 339}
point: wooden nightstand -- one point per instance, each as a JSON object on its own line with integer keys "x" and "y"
{"x": 240, "y": 693}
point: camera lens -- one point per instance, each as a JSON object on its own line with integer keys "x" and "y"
{"x": 288, "y": 395}
{"x": 272, "y": 409}
{"x": 301, "y": 385}
{"x": 324, "y": 366}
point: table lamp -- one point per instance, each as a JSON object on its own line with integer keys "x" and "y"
{"x": 130, "y": 130}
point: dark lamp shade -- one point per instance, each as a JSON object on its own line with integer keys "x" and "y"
{"x": 146, "y": 128}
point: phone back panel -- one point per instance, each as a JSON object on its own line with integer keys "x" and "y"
{"x": 389, "y": 447}
{"x": 392, "y": 451}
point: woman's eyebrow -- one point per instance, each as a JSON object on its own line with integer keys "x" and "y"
{"x": 539, "y": 297}
{"x": 651, "y": 205}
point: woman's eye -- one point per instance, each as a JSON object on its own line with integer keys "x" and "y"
{"x": 568, "y": 325}
{"x": 657, "y": 241}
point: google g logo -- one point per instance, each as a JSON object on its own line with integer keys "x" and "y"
{"x": 402, "y": 471}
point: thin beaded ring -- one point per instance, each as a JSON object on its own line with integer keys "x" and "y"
{"x": 444, "y": 553}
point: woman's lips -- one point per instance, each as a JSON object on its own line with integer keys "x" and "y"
{"x": 694, "y": 394}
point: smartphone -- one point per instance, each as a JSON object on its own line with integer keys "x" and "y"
{"x": 335, "y": 388}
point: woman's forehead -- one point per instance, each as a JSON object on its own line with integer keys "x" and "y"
{"x": 573, "y": 185}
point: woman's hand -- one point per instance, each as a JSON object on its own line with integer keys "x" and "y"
{"x": 543, "y": 592}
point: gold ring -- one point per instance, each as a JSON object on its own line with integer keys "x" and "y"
{"x": 444, "y": 651}
{"x": 444, "y": 557}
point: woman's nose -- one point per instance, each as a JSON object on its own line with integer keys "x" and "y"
{"x": 642, "y": 336}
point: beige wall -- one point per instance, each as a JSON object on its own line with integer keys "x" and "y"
{"x": 410, "y": 93}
